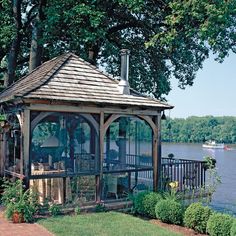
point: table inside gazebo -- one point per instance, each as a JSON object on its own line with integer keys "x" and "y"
{"x": 51, "y": 188}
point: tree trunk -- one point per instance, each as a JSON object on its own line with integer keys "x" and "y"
{"x": 12, "y": 61}
{"x": 15, "y": 46}
{"x": 36, "y": 50}
{"x": 93, "y": 53}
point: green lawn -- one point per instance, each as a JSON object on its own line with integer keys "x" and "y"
{"x": 103, "y": 224}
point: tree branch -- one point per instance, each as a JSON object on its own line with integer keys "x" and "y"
{"x": 17, "y": 13}
{"x": 119, "y": 27}
{"x": 30, "y": 17}
{"x": 19, "y": 62}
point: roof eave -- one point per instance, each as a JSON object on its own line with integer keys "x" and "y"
{"x": 104, "y": 104}
{"x": 7, "y": 99}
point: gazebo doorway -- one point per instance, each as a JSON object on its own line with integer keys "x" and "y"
{"x": 128, "y": 158}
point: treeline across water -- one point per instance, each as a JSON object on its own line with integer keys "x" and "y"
{"x": 199, "y": 129}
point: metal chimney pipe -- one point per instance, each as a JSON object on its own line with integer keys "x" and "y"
{"x": 124, "y": 82}
{"x": 124, "y": 64}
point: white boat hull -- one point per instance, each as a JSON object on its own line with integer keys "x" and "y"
{"x": 214, "y": 146}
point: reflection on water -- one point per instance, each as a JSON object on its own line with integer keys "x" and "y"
{"x": 224, "y": 198}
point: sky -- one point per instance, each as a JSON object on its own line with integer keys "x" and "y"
{"x": 213, "y": 91}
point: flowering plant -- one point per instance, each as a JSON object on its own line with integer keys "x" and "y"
{"x": 18, "y": 200}
{"x": 173, "y": 193}
{"x": 174, "y": 184}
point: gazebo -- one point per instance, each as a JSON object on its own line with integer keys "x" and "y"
{"x": 73, "y": 133}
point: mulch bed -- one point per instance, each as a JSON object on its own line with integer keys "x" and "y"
{"x": 177, "y": 229}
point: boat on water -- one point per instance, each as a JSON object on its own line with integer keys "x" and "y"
{"x": 213, "y": 145}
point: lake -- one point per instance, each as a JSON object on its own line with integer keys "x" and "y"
{"x": 224, "y": 199}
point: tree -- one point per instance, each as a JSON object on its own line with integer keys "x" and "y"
{"x": 200, "y": 129}
{"x": 166, "y": 37}
{"x": 36, "y": 50}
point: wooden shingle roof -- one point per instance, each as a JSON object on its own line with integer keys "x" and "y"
{"x": 68, "y": 78}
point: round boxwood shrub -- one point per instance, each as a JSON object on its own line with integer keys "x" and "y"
{"x": 149, "y": 202}
{"x": 219, "y": 224}
{"x": 169, "y": 211}
{"x": 196, "y": 217}
{"x": 138, "y": 205}
{"x": 233, "y": 228}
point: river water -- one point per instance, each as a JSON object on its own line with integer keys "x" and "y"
{"x": 224, "y": 199}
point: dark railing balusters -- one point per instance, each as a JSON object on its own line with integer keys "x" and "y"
{"x": 190, "y": 174}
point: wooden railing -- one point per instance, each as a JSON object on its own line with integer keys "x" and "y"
{"x": 189, "y": 174}
{"x": 131, "y": 163}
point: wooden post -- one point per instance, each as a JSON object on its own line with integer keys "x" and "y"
{"x": 99, "y": 177}
{"x": 158, "y": 123}
{"x": 3, "y": 153}
{"x": 122, "y": 140}
{"x": 157, "y": 153}
{"x": 155, "y": 159}
{"x": 26, "y": 145}
{"x": 20, "y": 119}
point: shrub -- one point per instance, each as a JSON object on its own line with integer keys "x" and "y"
{"x": 149, "y": 202}
{"x": 196, "y": 217}
{"x": 54, "y": 210}
{"x": 18, "y": 200}
{"x": 172, "y": 193}
{"x": 233, "y": 228}
{"x": 100, "y": 207}
{"x": 138, "y": 205}
{"x": 169, "y": 211}
{"x": 219, "y": 224}
{"x": 77, "y": 210}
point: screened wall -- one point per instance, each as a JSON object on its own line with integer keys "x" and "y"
{"x": 66, "y": 163}
{"x": 64, "y": 143}
{"x": 74, "y": 190}
{"x": 12, "y": 137}
{"x": 128, "y": 159}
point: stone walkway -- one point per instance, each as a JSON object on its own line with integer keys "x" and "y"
{"x": 9, "y": 229}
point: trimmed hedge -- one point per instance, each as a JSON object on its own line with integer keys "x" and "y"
{"x": 196, "y": 217}
{"x": 169, "y": 211}
{"x": 138, "y": 202}
{"x": 149, "y": 202}
{"x": 219, "y": 224}
{"x": 144, "y": 203}
{"x": 233, "y": 228}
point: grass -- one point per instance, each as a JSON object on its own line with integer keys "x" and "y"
{"x": 103, "y": 224}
